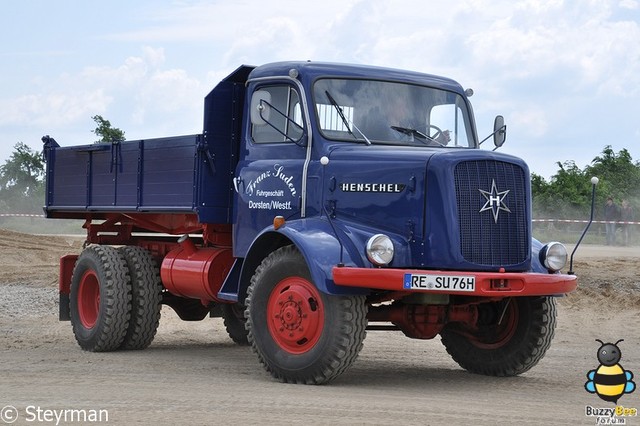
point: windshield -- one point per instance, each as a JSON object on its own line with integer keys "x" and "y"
{"x": 382, "y": 112}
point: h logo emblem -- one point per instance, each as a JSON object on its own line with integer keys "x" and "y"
{"x": 494, "y": 201}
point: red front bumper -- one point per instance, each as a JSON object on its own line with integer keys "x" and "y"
{"x": 487, "y": 284}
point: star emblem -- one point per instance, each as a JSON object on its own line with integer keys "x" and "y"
{"x": 495, "y": 201}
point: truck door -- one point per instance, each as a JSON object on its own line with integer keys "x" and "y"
{"x": 269, "y": 175}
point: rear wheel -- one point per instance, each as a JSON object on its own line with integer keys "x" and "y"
{"x": 511, "y": 336}
{"x": 300, "y": 334}
{"x": 146, "y": 297}
{"x": 100, "y": 299}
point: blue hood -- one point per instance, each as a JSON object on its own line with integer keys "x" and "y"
{"x": 451, "y": 208}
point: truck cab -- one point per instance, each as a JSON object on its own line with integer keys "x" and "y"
{"x": 324, "y": 200}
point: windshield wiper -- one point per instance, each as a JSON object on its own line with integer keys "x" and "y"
{"x": 345, "y": 120}
{"x": 414, "y": 132}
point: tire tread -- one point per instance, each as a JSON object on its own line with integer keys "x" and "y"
{"x": 508, "y": 361}
{"x": 146, "y": 298}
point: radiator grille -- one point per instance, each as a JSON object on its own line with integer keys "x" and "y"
{"x": 483, "y": 239}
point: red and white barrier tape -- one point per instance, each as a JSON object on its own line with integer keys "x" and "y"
{"x": 585, "y": 221}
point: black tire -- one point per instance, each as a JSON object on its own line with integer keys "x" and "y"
{"x": 100, "y": 299}
{"x": 512, "y": 348}
{"x": 300, "y": 334}
{"x": 235, "y": 323}
{"x": 146, "y": 297}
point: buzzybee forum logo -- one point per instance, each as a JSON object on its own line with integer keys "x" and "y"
{"x": 610, "y": 381}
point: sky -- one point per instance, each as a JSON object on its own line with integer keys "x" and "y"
{"x": 564, "y": 74}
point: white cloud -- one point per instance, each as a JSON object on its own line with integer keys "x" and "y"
{"x": 52, "y": 109}
{"x": 629, "y": 4}
{"x": 532, "y": 121}
{"x": 165, "y": 93}
{"x": 140, "y": 93}
{"x": 134, "y": 70}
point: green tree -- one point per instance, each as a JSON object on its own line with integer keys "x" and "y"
{"x": 619, "y": 175}
{"x": 22, "y": 181}
{"x": 567, "y": 195}
{"x": 105, "y": 131}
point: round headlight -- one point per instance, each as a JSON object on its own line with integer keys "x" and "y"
{"x": 380, "y": 250}
{"x": 553, "y": 256}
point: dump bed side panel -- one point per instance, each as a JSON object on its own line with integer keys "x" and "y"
{"x": 154, "y": 175}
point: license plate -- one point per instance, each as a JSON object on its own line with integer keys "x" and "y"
{"x": 439, "y": 282}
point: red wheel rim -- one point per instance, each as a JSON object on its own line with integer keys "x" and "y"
{"x": 89, "y": 299}
{"x": 295, "y": 315}
{"x": 502, "y": 333}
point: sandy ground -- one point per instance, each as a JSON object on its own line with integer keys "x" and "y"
{"x": 193, "y": 373}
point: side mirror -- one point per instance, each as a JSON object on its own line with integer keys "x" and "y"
{"x": 499, "y": 131}
{"x": 260, "y": 107}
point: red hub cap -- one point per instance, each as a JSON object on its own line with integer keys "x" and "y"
{"x": 89, "y": 299}
{"x": 295, "y": 315}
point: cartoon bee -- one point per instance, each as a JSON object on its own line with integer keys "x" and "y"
{"x": 610, "y": 381}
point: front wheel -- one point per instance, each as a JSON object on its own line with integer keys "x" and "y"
{"x": 300, "y": 334}
{"x": 510, "y": 338}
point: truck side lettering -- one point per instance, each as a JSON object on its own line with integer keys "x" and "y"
{"x": 372, "y": 187}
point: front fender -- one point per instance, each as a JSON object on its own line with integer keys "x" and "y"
{"x": 322, "y": 250}
{"x": 536, "y": 265}
{"x": 324, "y": 245}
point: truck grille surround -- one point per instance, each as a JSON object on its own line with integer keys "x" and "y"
{"x": 485, "y": 240}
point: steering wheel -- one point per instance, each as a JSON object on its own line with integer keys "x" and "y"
{"x": 436, "y": 135}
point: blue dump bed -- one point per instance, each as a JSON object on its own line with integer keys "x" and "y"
{"x": 171, "y": 175}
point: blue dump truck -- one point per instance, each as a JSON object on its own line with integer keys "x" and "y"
{"x": 320, "y": 201}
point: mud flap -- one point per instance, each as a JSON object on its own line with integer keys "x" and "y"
{"x": 67, "y": 263}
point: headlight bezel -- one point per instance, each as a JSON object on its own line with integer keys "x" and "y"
{"x": 554, "y": 256}
{"x": 380, "y": 250}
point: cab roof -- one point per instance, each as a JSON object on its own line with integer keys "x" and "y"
{"x": 311, "y": 71}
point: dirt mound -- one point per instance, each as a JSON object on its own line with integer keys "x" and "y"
{"x": 604, "y": 282}
{"x": 33, "y": 259}
{"x": 608, "y": 277}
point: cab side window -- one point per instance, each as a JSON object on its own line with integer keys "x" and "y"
{"x": 281, "y": 116}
